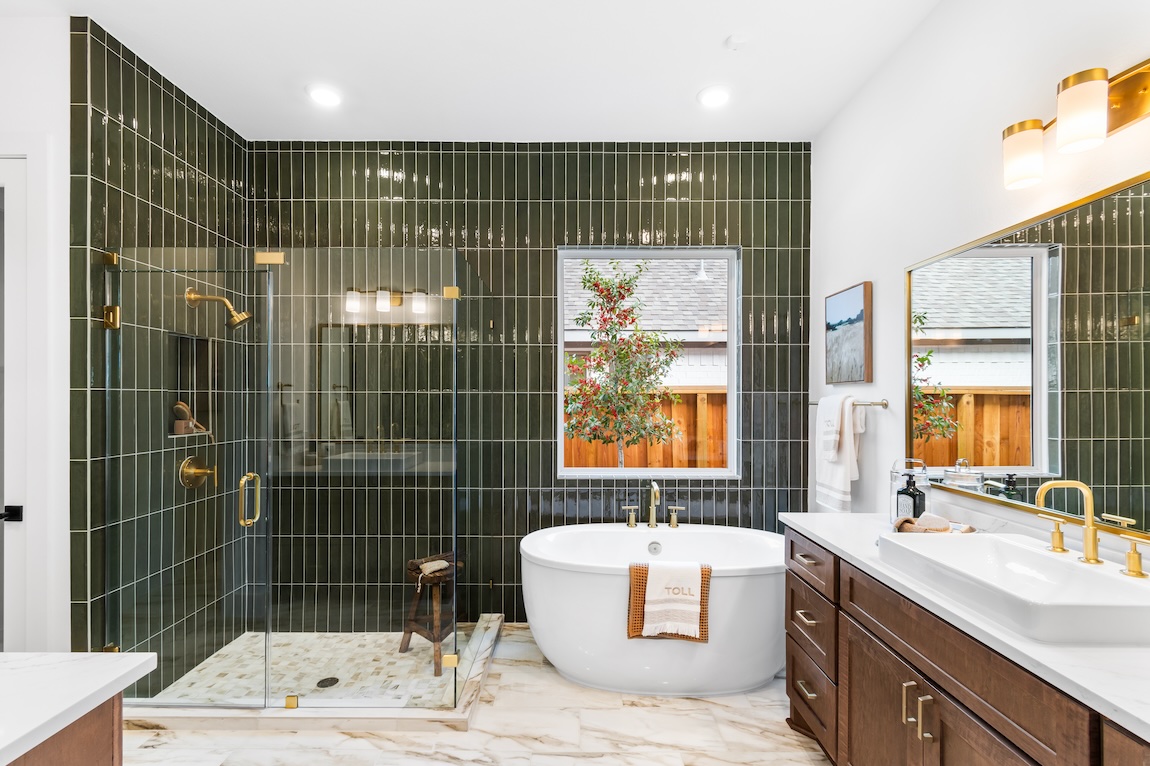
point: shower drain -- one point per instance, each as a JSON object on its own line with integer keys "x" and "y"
{"x": 326, "y": 682}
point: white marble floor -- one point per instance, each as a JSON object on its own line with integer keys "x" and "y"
{"x": 528, "y": 716}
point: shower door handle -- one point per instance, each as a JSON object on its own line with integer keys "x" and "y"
{"x": 255, "y": 479}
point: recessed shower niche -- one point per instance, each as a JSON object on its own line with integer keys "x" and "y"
{"x": 193, "y": 403}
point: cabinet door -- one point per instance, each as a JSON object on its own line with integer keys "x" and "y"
{"x": 1120, "y": 748}
{"x": 874, "y": 729}
{"x": 951, "y": 735}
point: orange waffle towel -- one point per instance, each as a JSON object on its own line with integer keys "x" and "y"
{"x": 638, "y": 603}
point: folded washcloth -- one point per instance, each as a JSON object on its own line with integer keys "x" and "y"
{"x": 928, "y": 522}
{"x": 637, "y": 606}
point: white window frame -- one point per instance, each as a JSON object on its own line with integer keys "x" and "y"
{"x": 733, "y": 256}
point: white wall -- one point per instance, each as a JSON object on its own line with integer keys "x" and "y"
{"x": 912, "y": 167}
{"x": 34, "y": 94}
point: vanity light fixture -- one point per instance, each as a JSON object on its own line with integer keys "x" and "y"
{"x": 383, "y": 300}
{"x": 324, "y": 96}
{"x": 1090, "y": 107}
{"x": 714, "y": 96}
{"x": 419, "y": 302}
{"x": 352, "y": 303}
{"x": 1082, "y": 111}
{"x": 1022, "y": 159}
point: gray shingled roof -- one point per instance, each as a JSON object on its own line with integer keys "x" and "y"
{"x": 670, "y": 297}
{"x": 964, "y": 291}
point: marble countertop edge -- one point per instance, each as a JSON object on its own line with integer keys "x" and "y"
{"x": 44, "y": 692}
{"x": 1112, "y": 681}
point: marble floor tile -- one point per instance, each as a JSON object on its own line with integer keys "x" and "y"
{"x": 527, "y": 715}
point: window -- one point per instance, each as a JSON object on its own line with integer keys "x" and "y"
{"x": 648, "y": 362}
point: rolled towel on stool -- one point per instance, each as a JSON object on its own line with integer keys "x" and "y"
{"x": 428, "y": 567}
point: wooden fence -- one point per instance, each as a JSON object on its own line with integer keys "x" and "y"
{"x": 701, "y": 416}
{"x": 993, "y": 429}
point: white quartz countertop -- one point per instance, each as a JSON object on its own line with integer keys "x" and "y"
{"x": 1113, "y": 680}
{"x": 42, "y": 693}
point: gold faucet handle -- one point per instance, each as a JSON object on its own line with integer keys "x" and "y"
{"x": 674, "y": 509}
{"x": 1133, "y": 557}
{"x": 1122, "y": 521}
{"x": 631, "y": 509}
{"x": 1057, "y": 539}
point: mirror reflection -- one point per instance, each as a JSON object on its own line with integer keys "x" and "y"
{"x": 1093, "y": 370}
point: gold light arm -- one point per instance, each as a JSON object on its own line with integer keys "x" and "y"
{"x": 255, "y": 479}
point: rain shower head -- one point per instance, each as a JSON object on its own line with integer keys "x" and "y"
{"x": 235, "y": 318}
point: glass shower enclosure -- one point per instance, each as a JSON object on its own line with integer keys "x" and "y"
{"x": 279, "y": 460}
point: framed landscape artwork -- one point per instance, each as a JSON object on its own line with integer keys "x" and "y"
{"x": 848, "y": 321}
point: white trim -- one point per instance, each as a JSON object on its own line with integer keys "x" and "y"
{"x": 733, "y": 254}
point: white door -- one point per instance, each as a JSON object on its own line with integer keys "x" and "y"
{"x": 13, "y": 265}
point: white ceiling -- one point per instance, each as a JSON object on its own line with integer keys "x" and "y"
{"x": 510, "y": 70}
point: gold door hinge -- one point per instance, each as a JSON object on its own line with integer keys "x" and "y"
{"x": 111, "y": 317}
{"x": 451, "y": 660}
{"x": 111, "y": 258}
{"x": 451, "y": 292}
{"x": 291, "y": 701}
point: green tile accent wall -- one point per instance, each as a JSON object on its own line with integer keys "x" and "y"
{"x": 159, "y": 180}
{"x": 506, "y": 207}
{"x": 1104, "y": 374}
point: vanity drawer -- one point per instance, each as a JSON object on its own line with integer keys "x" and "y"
{"x": 1120, "y": 748}
{"x": 816, "y": 565}
{"x": 1046, "y": 724}
{"x": 812, "y": 624}
{"x": 813, "y": 695}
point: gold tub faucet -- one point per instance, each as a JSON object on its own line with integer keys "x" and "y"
{"x": 1089, "y": 531}
{"x": 654, "y": 501}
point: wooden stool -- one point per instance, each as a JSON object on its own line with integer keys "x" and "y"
{"x": 433, "y": 631}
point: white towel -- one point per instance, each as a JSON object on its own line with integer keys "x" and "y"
{"x": 291, "y": 419}
{"x": 828, "y": 425}
{"x": 833, "y": 476}
{"x": 674, "y": 589}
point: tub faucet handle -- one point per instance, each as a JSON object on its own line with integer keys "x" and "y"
{"x": 630, "y": 509}
{"x": 674, "y": 509}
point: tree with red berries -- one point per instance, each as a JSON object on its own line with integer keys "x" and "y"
{"x": 614, "y": 393}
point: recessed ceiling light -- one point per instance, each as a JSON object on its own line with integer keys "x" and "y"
{"x": 324, "y": 96}
{"x": 714, "y": 96}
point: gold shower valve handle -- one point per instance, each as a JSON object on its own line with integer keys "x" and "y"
{"x": 255, "y": 479}
{"x": 194, "y": 472}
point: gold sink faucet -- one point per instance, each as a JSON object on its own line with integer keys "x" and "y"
{"x": 654, "y": 501}
{"x": 1090, "y": 531}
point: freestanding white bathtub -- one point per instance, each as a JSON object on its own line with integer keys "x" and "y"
{"x": 576, "y": 587}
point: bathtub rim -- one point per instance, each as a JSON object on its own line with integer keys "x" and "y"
{"x": 717, "y": 570}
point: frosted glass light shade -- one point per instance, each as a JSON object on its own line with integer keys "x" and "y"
{"x": 383, "y": 300}
{"x": 418, "y": 302}
{"x": 352, "y": 303}
{"x": 1083, "y": 103}
{"x": 1022, "y": 160}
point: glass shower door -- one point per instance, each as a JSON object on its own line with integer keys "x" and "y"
{"x": 185, "y": 518}
{"x": 363, "y": 479}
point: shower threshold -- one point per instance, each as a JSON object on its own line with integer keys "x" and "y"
{"x": 374, "y": 689}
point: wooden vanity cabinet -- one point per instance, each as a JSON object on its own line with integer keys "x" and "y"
{"x": 1120, "y": 748}
{"x": 978, "y": 708}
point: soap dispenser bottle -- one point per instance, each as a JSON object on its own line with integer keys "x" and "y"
{"x": 911, "y": 500}
{"x": 1011, "y": 491}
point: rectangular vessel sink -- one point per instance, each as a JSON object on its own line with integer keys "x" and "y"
{"x": 1012, "y": 579}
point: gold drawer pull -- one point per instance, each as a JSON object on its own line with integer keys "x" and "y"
{"x": 805, "y": 559}
{"x": 810, "y": 695}
{"x": 906, "y": 719}
{"x": 804, "y": 618}
{"x": 921, "y": 734}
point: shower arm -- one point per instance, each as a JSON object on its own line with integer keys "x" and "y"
{"x": 193, "y": 298}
